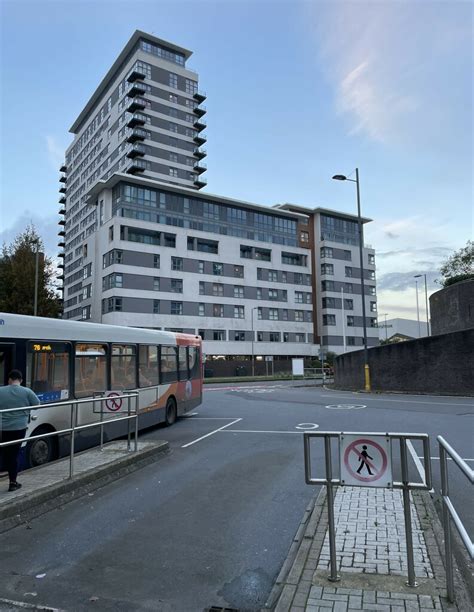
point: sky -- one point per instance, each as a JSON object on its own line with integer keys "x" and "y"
{"x": 297, "y": 91}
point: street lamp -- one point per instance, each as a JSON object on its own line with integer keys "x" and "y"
{"x": 253, "y": 339}
{"x": 35, "y": 300}
{"x": 341, "y": 177}
{"x": 417, "y": 308}
{"x": 384, "y": 314}
{"x": 426, "y": 303}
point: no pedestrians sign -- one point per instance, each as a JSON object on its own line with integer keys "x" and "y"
{"x": 365, "y": 460}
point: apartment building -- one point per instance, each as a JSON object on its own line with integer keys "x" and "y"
{"x": 144, "y": 247}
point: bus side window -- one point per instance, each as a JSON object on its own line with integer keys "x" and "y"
{"x": 183, "y": 363}
{"x": 47, "y": 370}
{"x": 148, "y": 366}
{"x": 194, "y": 370}
{"x": 123, "y": 366}
{"x": 169, "y": 364}
{"x": 90, "y": 373}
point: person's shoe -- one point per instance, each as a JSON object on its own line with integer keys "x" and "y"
{"x": 14, "y": 486}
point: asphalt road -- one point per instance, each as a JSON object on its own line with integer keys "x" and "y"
{"x": 211, "y": 523}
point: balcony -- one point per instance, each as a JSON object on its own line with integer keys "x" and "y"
{"x": 137, "y": 119}
{"x": 200, "y": 111}
{"x": 136, "y": 150}
{"x": 62, "y": 210}
{"x": 61, "y": 255}
{"x": 136, "y": 89}
{"x": 62, "y": 178}
{"x": 200, "y": 153}
{"x": 200, "y": 181}
{"x": 61, "y": 222}
{"x": 60, "y": 265}
{"x": 200, "y": 96}
{"x": 200, "y": 139}
{"x": 60, "y": 277}
{"x": 199, "y": 167}
{"x": 136, "y": 75}
{"x": 63, "y": 189}
{"x": 137, "y": 165}
{"x": 61, "y": 233}
{"x": 136, "y": 104}
{"x": 62, "y": 200}
{"x": 199, "y": 124}
{"x": 137, "y": 134}
{"x": 61, "y": 244}
{"x": 63, "y": 168}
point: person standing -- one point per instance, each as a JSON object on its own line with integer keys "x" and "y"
{"x": 13, "y": 425}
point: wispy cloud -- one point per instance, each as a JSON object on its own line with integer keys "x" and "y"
{"x": 55, "y": 152}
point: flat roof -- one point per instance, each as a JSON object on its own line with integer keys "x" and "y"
{"x": 118, "y": 177}
{"x": 325, "y": 211}
{"x": 116, "y": 65}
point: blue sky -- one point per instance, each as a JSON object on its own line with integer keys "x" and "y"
{"x": 297, "y": 91}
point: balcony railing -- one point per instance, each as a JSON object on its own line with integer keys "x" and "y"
{"x": 61, "y": 222}
{"x": 63, "y": 168}
{"x": 200, "y": 96}
{"x": 62, "y": 210}
{"x": 62, "y": 200}
{"x": 199, "y": 124}
{"x": 62, "y": 178}
{"x": 200, "y": 181}
{"x": 63, "y": 189}
{"x": 137, "y": 134}
{"x": 137, "y": 165}
{"x": 136, "y": 89}
{"x": 137, "y": 119}
{"x": 137, "y": 150}
{"x": 200, "y": 139}
{"x": 136, "y": 75}
{"x": 200, "y": 167}
{"x": 200, "y": 153}
{"x": 136, "y": 104}
{"x": 200, "y": 111}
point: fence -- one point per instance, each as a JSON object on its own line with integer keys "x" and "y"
{"x": 132, "y": 413}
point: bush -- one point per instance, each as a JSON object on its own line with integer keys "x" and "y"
{"x": 457, "y": 279}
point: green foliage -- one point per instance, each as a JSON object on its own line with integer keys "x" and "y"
{"x": 459, "y": 266}
{"x": 17, "y": 277}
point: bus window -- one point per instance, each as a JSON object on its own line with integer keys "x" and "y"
{"x": 90, "y": 369}
{"x": 194, "y": 369}
{"x": 148, "y": 366}
{"x": 169, "y": 364}
{"x": 123, "y": 366}
{"x": 47, "y": 370}
{"x": 183, "y": 363}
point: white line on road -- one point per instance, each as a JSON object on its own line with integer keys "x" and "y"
{"x": 261, "y": 431}
{"x": 380, "y": 399}
{"x": 211, "y": 433}
{"x": 209, "y": 418}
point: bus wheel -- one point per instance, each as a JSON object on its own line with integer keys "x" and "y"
{"x": 42, "y": 450}
{"x": 171, "y": 412}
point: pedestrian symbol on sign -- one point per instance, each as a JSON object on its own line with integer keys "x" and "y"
{"x": 365, "y": 461}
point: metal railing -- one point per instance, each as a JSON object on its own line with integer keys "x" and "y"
{"x": 405, "y": 485}
{"x": 449, "y": 512}
{"x": 131, "y": 413}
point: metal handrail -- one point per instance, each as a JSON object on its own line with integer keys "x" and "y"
{"x": 131, "y": 414}
{"x": 450, "y": 513}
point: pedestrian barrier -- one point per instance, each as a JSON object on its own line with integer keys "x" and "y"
{"x": 449, "y": 512}
{"x": 129, "y": 414}
{"x": 355, "y": 450}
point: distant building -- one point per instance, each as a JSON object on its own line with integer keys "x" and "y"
{"x": 398, "y": 330}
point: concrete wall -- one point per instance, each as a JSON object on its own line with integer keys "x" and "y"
{"x": 452, "y": 308}
{"x": 438, "y": 364}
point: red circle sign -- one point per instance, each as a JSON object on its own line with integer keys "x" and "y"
{"x": 113, "y": 404}
{"x": 378, "y": 472}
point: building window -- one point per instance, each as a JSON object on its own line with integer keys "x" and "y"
{"x": 350, "y": 321}
{"x": 156, "y": 284}
{"x": 86, "y": 313}
{"x": 326, "y": 253}
{"x": 259, "y": 336}
{"x": 173, "y": 99}
{"x": 286, "y": 337}
{"x": 239, "y": 336}
{"x": 371, "y": 259}
{"x": 173, "y": 172}
{"x": 202, "y": 288}
{"x": 217, "y": 310}
{"x": 371, "y": 289}
{"x": 284, "y": 277}
{"x": 327, "y": 269}
{"x": 347, "y": 255}
{"x": 201, "y": 309}
{"x": 293, "y": 259}
{"x": 218, "y": 289}
{"x": 299, "y": 297}
{"x": 259, "y": 293}
{"x": 371, "y": 275}
{"x": 284, "y": 314}
{"x": 173, "y": 158}
{"x": 239, "y": 271}
{"x": 329, "y": 319}
{"x": 239, "y": 312}
{"x": 373, "y": 323}
{"x": 176, "y": 285}
{"x": 273, "y": 276}
{"x": 348, "y": 272}
{"x": 304, "y": 237}
{"x": 156, "y": 261}
{"x": 156, "y": 306}
{"x": 238, "y": 291}
{"x": 299, "y": 315}
{"x": 273, "y": 294}
{"x": 173, "y": 80}
{"x": 259, "y": 314}
{"x": 176, "y": 308}
{"x": 274, "y": 336}
{"x": 218, "y": 269}
{"x": 349, "y": 304}
{"x": 348, "y": 287}
{"x": 177, "y": 264}
{"x": 328, "y": 285}
{"x": 350, "y": 341}
{"x": 218, "y": 334}
{"x": 111, "y": 233}
{"x": 299, "y": 337}
{"x": 273, "y": 314}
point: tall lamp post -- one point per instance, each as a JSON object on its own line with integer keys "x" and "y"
{"x": 341, "y": 177}
{"x": 35, "y": 300}
{"x": 426, "y": 304}
{"x": 417, "y": 308}
{"x": 253, "y": 340}
{"x": 384, "y": 314}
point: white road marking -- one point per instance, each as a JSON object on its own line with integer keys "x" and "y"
{"x": 345, "y": 406}
{"x": 211, "y": 433}
{"x": 261, "y": 431}
{"x": 380, "y": 399}
{"x": 417, "y": 462}
{"x": 307, "y": 426}
{"x": 210, "y": 418}
{"x": 449, "y": 459}
{"x": 244, "y": 387}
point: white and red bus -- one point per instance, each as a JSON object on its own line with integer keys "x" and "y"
{"x": 63, "y": 360}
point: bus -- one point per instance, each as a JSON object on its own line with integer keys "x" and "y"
{"x": 63, "y": 360}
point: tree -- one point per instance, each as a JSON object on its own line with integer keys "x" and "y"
{"x": 459, "y": 266}
{"x": 17, "y": 277}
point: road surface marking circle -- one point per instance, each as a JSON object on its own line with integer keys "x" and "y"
{"x": 352, "y": 449}
{"x": 307, "y": 426}
{"x": 345, "y": 406}
{"x": 113, "y": 404}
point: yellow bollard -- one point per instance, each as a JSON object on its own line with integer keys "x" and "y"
{"x": 367, "y": 377}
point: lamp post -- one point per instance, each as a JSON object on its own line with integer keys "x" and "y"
{"x": 253, "y": 339}
{"x": 35, "y": 299}
{"x": 426, "y": 304}
{"x": 384, "y": 314}
{"x": 341, "y": 177}
{"x": 417, "y": 308}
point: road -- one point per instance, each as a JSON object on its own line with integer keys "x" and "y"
{"x": 210, "y": 524}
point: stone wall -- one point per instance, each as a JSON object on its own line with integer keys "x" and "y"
{"x": 441, "y": 364}
{"x": 452, "y": 308}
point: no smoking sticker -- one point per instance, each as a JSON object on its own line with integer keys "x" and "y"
{"x": 365, "y": 460}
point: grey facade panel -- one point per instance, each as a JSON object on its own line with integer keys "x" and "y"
{"x": 250, "y": 293}
{"x": 190, "y": 265}
{"x": 341, "y": 254}
{"x": 333, "y": 340}
{"x": 228, "y": 311}
{"x": 190, "y": 308}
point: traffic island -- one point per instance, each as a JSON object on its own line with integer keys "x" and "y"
{"x": 49, "y": 486}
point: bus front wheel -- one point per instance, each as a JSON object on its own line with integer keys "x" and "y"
{"x": 42, "y": 450}
{"x": 171, "y": 412}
